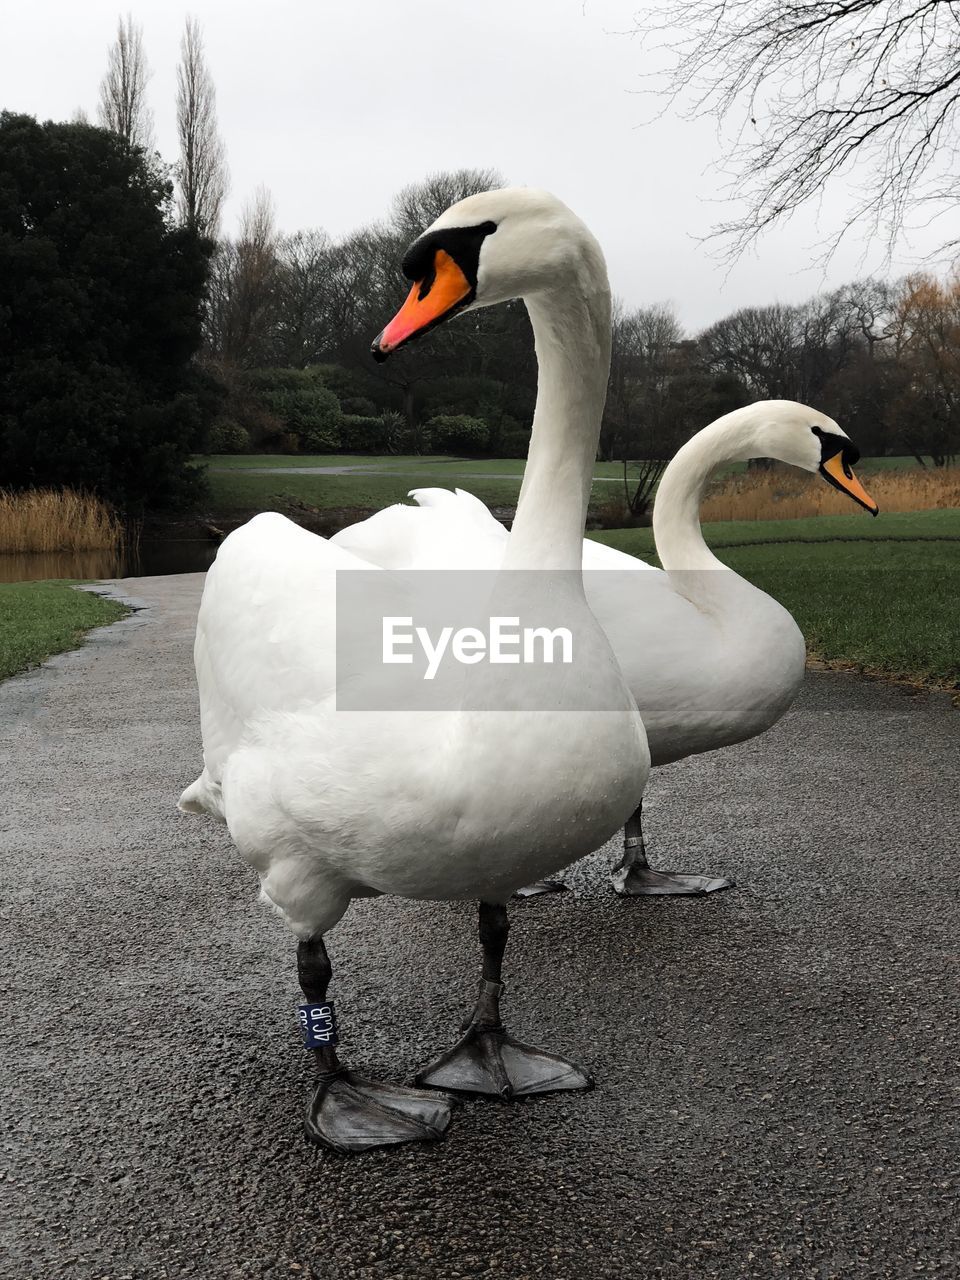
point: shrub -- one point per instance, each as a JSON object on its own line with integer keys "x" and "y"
{"x": 227, "y": 436}
{"x": 301, "y": 404}
{"x": 361, "y": 433}
{"x": 267, "y": 382}
{"x": 514, "y": 442}
{"x": 357, "y": 391}
{"x": 359, "y": 406}
{"x": 371, "y": 433}
{"x": 458, "y": 433}
{"x": 313, "y": 416}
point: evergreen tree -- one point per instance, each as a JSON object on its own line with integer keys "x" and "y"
{"x": 100, "y": 308}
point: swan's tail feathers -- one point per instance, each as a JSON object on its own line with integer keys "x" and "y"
{"x": 203, "y": 796}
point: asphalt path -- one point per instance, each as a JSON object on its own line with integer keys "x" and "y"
{"x": 777, "y": 1066}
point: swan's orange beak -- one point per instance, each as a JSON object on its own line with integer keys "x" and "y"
{"x": 430, "y": 300}
{"x": 840, "y": 475}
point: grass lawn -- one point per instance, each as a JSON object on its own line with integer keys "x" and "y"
{"x": 436, "y": 464}
{"x": 881, "y": 594}
{"x": 38, "y": 619}
{"x": 238, "y": 489}
{"x": 380, "y": 481}
{"x": 432, "y": 465}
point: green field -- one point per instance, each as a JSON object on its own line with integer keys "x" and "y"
{"x": 38, "y": 619}
{"x": 238, "y": 490}
{"x": 439, "y": 462}
{"x": 881, "y": 594}
{"x": 235, "y": 485}
{"x": 427, "y": 464}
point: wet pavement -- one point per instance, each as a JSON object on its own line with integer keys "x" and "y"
{"x": 778, "y": 1067}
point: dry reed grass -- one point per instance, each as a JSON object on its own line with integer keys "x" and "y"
{"x": 787, "y": 494}
{"x": 56, "y": 520}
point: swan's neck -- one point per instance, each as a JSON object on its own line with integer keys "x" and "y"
{"x": 572, "y": 334}
{"x": 676, "y": 513}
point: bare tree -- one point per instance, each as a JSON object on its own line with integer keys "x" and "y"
{"x": 868, "y": 89}
{"x": 123, "y": 108}
{"x": 638, "y": 427}
{"x": 302, "y": 329}
{"x": 926, "y": 338}
{"x": 243, "y": 279}
{"x": 420, "y": 203}
{"x": 202, "y": 170}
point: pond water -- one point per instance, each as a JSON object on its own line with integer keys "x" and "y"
{"x": 186, "y": 556}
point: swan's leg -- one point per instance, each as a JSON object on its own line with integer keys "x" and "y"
{"x": 634, "y": 877}
{"x": 348, "y": 1112}
{"x": 486, "y": 1059}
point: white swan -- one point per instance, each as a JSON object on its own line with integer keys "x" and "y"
{"x": 711, "y": 660}
{"x": 328, "y": 805}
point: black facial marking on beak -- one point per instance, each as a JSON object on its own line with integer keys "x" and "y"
{"x": 831, "y": 445}
{"x": 462, "y": 243}
{"x": 837, "y": 456}
{"x": 443, "y": 266}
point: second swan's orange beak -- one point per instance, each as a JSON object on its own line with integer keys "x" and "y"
{"x": 838, "y": 471}
{"x": 430, "y": 300}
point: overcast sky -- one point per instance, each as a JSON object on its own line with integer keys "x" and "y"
{"x": 334, "y": 106}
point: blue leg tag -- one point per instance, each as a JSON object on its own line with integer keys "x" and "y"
{"x": 318, "y": 1024}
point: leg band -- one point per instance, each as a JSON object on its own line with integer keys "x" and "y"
{"x": 318, "y": 1025}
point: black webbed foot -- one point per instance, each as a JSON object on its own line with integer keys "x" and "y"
{"x": 494, "y": 1064}
{"x": 487, "y": 1060}
{"x": 639, "y": 881}
{"x": 538, "y": 887}
{"x": 350, "y": 1113}
{"x": 635, "y": 878}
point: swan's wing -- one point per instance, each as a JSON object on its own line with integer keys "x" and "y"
{"x": 450, "y": 529}
{"x": 393, "y": 538}
{"x": 266, "y": 632}
{"x": 445, "y": 530}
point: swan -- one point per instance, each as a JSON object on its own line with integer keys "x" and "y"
{"x": 710, "y": 659}
{"x": 328, "y": 804}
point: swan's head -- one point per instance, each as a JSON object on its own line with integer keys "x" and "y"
{"x": 510, "y": 243}
{"x": 803, "y": 437}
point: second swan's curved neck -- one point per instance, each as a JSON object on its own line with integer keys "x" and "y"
{"x": 676, "y": 511}
{"x": 572, "y": 333}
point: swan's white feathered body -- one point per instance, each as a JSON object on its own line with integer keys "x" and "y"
{"x": 711, "y": 660}
{"x": 331, "y": 804}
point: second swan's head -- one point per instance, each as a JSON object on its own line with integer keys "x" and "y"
{"x": 509, "y": 243}
{"x": 803, "y": 437}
